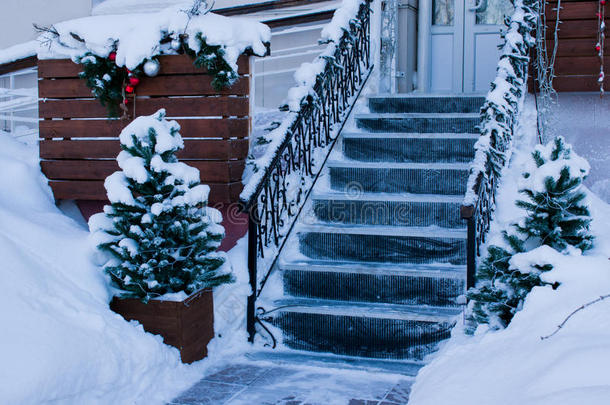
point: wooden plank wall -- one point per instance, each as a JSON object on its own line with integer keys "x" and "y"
{"x": 78, "y": 144}
{"x": 577, "y": 64}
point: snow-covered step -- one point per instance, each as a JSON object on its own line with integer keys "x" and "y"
{"x": 419, "y": 122}
{"x": 383, "y": 331}
{"x": 416, "y": 245}
{"x": 408, "y": 368}
{"x": 408, "y": 147}
{"x": 414, "y": 103}
{"x": 388, "y": 209}
{"x": 373, "y": 282}
{"x": 420, "y": 178}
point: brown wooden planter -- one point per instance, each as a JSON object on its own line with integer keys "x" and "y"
{"x": 187, "y": 325}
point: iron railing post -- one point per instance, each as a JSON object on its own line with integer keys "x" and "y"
{"x": 471, "y": 255}
{"x": 253, "y": 221}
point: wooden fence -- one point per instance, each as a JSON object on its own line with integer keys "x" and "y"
{"x": 79, "y": 145}
{"x": 577, "y": 65}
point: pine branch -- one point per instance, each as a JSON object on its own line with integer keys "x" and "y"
{"x": 562, "y": 324}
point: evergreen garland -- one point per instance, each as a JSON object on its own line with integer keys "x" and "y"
{"x": 212, "y": 58}
{"x": 158, "y": 234}
{"x": 557, "y": 217}
{"x": 106, "y": 80}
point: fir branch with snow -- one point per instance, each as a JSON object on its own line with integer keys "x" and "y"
{"x": 158, "y": 235}
{"x": 556, "y": 218}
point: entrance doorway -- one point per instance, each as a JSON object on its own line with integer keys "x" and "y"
{"x": 465, "y": 35}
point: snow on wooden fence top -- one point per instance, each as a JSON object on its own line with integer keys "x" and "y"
{"x": 138, "y": 37}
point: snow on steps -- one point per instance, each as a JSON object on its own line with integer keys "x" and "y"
{"x": 378, "y": 273}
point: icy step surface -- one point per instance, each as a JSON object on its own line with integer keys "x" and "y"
{"x": 394, "y": 103}
{"x": 382, "y": 283}
{"x": 420, "y": 178}
{"x": 418, "y": 122}
{"x": 302, "y": 358}
{"x": 367, "y": 330}
{"x": 397, "y": 147}
{"x": 383, "y": 244}
{"x": 388, "y": 209}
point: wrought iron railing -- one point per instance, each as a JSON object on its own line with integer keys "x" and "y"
{"x": 277, "y": 192}
{"x": 499, "y": 117}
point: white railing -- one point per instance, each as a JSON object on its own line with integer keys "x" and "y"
{"x": 19, "y": 104}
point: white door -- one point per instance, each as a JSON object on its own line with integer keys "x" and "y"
{"x": 465, "y": 35}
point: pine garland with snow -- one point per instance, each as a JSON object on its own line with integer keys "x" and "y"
{"x": 158, "y": 236}
{"x": 557, "y": 218}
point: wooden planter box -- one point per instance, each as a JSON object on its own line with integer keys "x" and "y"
{"x": 79, "y": 145}
{"x": 187, "y": 325}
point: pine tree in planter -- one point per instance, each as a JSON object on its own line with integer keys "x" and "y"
{"x": 556, "y": 217}
{"x": 158, "y": 234}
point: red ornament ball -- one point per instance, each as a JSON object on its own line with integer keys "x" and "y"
{"x": 134, "y": 81}
{"x": 602, "y": 2}
{"x": 598, "y": 47}
{"x": 126, "y": 101}
{"x": 129, "y": 89}
{"x": 112, "y": 56}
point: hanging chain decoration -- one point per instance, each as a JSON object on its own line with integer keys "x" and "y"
{"x": 599, "y": 47}
{"x": 545, "y": 69}
{"x": 387, "y": 62}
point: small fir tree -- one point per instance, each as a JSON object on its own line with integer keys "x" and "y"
{"x": 158, "y": 236}
{"x": 557, "y": 217}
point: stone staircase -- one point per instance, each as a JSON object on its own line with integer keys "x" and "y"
{"x": 381, "y": 265}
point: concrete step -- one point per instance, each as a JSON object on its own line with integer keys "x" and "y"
{"x": 420, "y": 178}
{"x": 399, "y": 147}
{"x": 419, "y": 122}
{"x": 381, "y": 283}
{"x": 388, "y": 209}
{"x": 382, "y": 244}
{"x": 417, "y": 103}
{"x": 382, "y": 331}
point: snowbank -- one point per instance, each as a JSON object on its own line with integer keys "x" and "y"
{"x": 60, "y": 343}
{"x": 137, "y": 37}
{"x": 514, "y": 366}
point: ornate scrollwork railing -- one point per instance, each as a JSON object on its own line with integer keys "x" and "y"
{"x": 499, "y": 118}
{"x": 277, "y": 192}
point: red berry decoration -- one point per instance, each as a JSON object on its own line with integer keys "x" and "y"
{"x": 134, "y": 81}
{"x": 112, "y": 56}
{"x": 126, "y": 101}
{"x": 129, "y": 89}
{"x": 598, "y": 47}
{"x": 602, "y": 2}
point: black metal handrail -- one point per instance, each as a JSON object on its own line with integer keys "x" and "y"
{"x": 498, "y": 123}
{"x": 279, "y": 192}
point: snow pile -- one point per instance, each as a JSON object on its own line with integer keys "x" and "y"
{"x": 19, "y": 51}
{"x": 138, "y": 37}
{"x": 514, "y": 365}
{"x": 60, "y": 343}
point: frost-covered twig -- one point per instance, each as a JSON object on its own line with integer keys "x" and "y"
{"x": 562, "y": 324}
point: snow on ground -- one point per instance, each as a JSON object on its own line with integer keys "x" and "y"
{"x": 514, "y": 366}
{"x": 60, "y": 342}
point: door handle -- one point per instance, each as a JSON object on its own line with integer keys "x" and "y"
{"x": 478, "y": 5}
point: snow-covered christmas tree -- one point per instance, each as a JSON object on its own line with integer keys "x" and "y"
{"x": 158, "y": 235}
{"x": 556, "y": 217}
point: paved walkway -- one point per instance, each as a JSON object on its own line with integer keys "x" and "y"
{"x": 253, "y": 383}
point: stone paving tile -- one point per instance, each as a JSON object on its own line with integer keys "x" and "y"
{"x": 263, "y": 396}
{"x": 241, "y": 374}
{"x": 399, "y": 394}
{"x": 208, "y": 392}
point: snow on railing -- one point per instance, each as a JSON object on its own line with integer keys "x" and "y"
{"x": 317, "y": 109}
{"x": 499, "y": 116}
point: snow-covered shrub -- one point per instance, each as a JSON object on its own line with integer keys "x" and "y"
{"x": 557, "y": 217}
{"x": 158, "y": 234}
